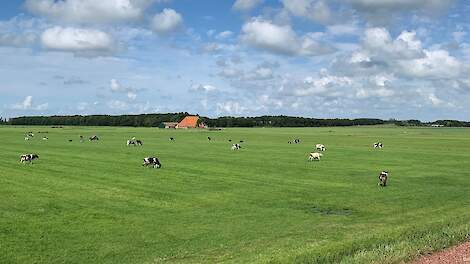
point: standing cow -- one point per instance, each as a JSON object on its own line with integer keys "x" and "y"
{"x": 94, "y": 138}
{"x": 28, "y": 158}
{"x": 383, "y": 176}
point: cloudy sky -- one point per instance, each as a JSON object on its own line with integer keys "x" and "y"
{"x": 316, "y": 58}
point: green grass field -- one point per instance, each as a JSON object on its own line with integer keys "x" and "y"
{"x": 95, "y": 203}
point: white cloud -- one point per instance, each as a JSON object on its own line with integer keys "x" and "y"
{"x": 78, "y": 40}
{"x": 167, "y": 21}
{"x": 89, "y": 11}
{"x": 246, "y": 5}
{"x": 230, "y": 107}
{"x": 117, "y": 87}
{"x": 316, "y": 10}
{"x": 382, "y": 11}
{"x": 436, "y": 64}
{"x": 224, "y": 35}
{"x": 28, "y": 104}
{"x": 203, "y": 88}
{"x": 281, "y": 39}
{"x": 17, "y": 40}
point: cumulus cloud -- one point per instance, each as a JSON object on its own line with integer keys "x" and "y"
{"x": 382, "y": 11}
{"x": 89, "y": 11}
{"x": 282, "y": 39}
{"x": 246, "y": 5}
{"x": 17, "y": 40}
{"x": 80, "y": 41}
{"x": 316, "y": 10}
{"x": 27, "y": 104}
{"x": 167, "y": 21}
{"x": 117, "y": 87}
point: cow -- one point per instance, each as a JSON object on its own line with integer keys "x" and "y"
{"x": 81, "y": 139}
{"x": 28, "y": 158}
{"x": 27, "y": 138}
{"x": 134, "y": 142}
{"x": 383, "y": 176}
{"x": 296, "y": 141}
{"x": 314, "y": 156}
{"x": 152, "y": 161}
{"x": 229, "y": 140}
{"x": 241, "y": 141}
{"x": 70, "y": 140}
{"x": 236, "y": 146}
{"x": 378, "y": 145}
{"x": 94, "y": 138}
{"x": 45, "y": 138}
{"x": 320, "y": 147}
{"x": 172, "y": 139}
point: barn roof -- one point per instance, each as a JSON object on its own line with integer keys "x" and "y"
{"x": 189, "y": 121}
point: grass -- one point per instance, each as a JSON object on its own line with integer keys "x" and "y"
{"x": 95, "y": 203}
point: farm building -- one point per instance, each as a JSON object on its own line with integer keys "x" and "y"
{"x": 191, "y": 122}
{"x": 169, "y": 125}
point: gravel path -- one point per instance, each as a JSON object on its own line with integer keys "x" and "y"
{"x": 455, "y": 255}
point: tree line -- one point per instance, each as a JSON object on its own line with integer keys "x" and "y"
{"x": 156, "y": 120}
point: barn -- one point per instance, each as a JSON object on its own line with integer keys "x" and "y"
{"x": 191, "y": 122}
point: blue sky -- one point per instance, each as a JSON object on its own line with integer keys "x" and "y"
{"x": 339, "y": 58}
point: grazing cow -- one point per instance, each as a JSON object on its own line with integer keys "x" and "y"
{"x": 94, "y": 138}
{"x": 28, "y": 158}
{"x": 383, "y": 176}
{"x": 378, "y": 145}
{"x": 320, "y": 147}
{"x": 172, "y": 139}
{"x": 290, "y": 142}
{"x": 229, "y": 140}
{"x": 314, "y": 156}
{"x": 152, "y": 161}
{"x": 70, "y": 140}
{"x": 209, "y": 138}
{"x": 45, "y": 138}
{"x": 236, "y": 146}
{"x": 26, "y": 138}
{"x": 296, "y": 141}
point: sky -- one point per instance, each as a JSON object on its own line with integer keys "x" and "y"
{"x": 403, "y": 59}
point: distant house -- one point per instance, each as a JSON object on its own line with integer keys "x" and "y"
{"x": 437, "y": 125}
{"x": 191, "y": 122}
{"x": 169, "y": 124}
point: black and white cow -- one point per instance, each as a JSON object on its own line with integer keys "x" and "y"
{"x": 209, "y": 138}
{"x": 94, "y": 138}
{"x": 152, "y": 161}
{"x": 172, "y": 139}
{"x": 383, "y": 176}
{"x": 236, "y": 146}
{"x": 45, "y": 138}
{"x": 320, "y": 147}
{"x": 134, "y": 142}
{"x": 28, "y": 158}
{"x": 378, "y": 145}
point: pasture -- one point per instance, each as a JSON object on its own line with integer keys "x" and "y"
{"x": 93, "y": 202}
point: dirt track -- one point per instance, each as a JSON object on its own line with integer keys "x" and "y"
{"x": 455, "y": 255}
